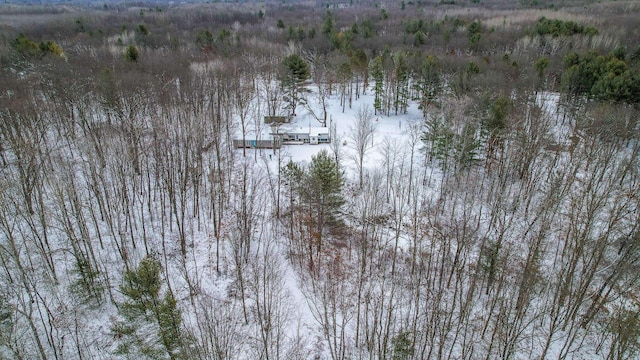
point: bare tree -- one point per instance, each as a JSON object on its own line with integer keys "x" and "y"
{"x": 329, "y": 292}
{"x": 362, "y": 136}
{"x": 267, "y": 83}
{"x": 319, "y": 113}
{"x": 336, "y": 143}
{"x": 271, "y": 300}
{"x": 244, "y": 95}
{"x": 323, "y": 87}
{"x": 218, "y": 329}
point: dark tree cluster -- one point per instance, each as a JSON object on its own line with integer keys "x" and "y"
{"x": 603, "y": 77}
{"x": 555, "y": 28}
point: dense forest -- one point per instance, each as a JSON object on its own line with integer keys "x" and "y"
{"x": 500, "y": 219}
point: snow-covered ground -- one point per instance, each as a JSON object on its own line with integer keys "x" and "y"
{"x": 429, "y": 260}
{"x": 387, "y": 128}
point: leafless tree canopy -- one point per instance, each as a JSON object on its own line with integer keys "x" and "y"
{"x": 499, "y": 219}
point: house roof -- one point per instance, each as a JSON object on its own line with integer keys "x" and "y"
{"x": 311, "y": 131}
{"x": 317, "y": 131}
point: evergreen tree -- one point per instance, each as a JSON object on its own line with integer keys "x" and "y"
{"x": 557, "y": 28}
{"x": 325, "y": 181}
{"x": 87, "y": 285}
{"x": 29, "y": 50}
{"x": 452, "y": 148}
{"x": 295, "y": 73}
{"x": 359, "y": 63}
{"x": 401, "y": 70}
{"x": 53, "y": 48}
{"x": 428, "y": 83}
{"x": 467, "y": 147}
{"x": 377, "y": 73}
{"x": 142, "y": 288}
{"x": 495, "y": 124}
{"x": 204, "y": 40}
{"x": 145, "y": 309}
{"x": 441, "y": 140}
{"x": 541, "y": 65}
{"x": 324, "y": 186}
{"x": 402, "y": 346}
{"x": 368, "y": 28}
{"x": 132, "y": 53}
{"x": 605, "y": 78}
{"x": 293, "y": 176}
{"x": 169, "y": 322}
{"x": 474, "y": 32}
{"x": 25, "y": 47}
{"x": 329, "y": 24}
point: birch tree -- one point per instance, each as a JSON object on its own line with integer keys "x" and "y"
{"x": 361, "y": 133}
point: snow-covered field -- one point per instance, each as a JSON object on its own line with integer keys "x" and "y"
{"x": 390, "y": 128}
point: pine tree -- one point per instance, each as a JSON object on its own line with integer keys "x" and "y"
{"x": 494, "y": 126}
{"x": 377, "y": 72}
{"x": 295, "y": 74}
{"x": 359, "y": 63}
{"x": 144, "y": 309}
{"x": 428, "y": 83}
{"x": 324, "y": 182}
{"x": 142, "y": 288}
{"x": 87, "y": 285}
{"x": 132, "y": 53}
{"x": 326, "y": 179}
{"x": 25, "y": 47}
{"x": 329, "y": 24}
{"x": 169, "y": 321}
{"x": 401, "y": 69}
{"x": 402, "y": 346}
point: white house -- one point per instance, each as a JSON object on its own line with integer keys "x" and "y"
{"x": 319, "y": 135}
{"x": 306, "y": 135}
